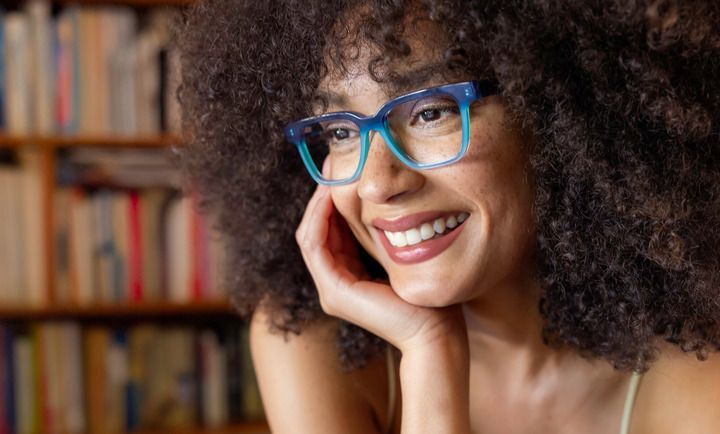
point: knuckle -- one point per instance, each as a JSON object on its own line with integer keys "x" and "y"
{"x": 327, "y": 302}
{"x": 303, "y": 240}
{"x": 333, "y": 301}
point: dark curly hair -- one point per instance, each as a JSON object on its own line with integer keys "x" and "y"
{"x": 623, "y": 100}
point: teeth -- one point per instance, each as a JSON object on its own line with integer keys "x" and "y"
{"x": 400, "y": 239}
{"x": 439, "y": 226}
{"x": 413, "y": 236}
{"x": 425, "y": 231}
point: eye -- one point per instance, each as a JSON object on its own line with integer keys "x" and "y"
{"x": 429, "y": 112}
{"x": 342, "y": 137}
{"x": 427, "y": 116}
{"x": 430, "y": 115}
{"x": 340, "y": 133}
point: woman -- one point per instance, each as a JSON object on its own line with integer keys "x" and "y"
{"x": 521, "y": 198}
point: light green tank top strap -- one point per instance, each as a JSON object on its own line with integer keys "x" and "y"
{"x": 630, "y": 402}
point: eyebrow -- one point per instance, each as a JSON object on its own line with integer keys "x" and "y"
{"x": 399, "y": 84}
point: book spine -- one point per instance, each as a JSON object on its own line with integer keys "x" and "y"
{"x": 2, "y": 69}
{"x": 136, "y": 249}
{"x": 4, "y": 380}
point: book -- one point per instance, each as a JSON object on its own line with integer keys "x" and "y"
{"x": 6, "y": 380}
{"x": 42, "y": 66}
{"x": 2, "y": 68}
{"x": 26, "y": 383}
{"x": 35, "y": 284}
{"x": 95, "y": 354}
{"x": 11, "y": 243}
{"x": 18, "y": 96}
{"x": 22, "y": 248}
{"x": 117, "y": 377}
{"x": 83, "y": 283}
{"x": 64, "y": 377}
{"x": 85, "y": 71}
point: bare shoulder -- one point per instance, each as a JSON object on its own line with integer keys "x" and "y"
{"x": 679, "y": 394}
{"x": 304, "y": 388}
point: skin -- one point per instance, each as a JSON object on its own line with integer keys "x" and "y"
{"x": 468, "y": 315}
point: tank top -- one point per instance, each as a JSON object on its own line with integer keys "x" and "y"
{"x": 392, "y": 395}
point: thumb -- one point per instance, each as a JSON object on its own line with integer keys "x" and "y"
{"x": 326, "y": 168}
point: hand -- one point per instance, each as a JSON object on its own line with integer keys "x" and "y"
{"x": 345, "y": 291}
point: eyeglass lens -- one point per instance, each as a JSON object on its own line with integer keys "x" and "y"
{"x": 426, "y": 130}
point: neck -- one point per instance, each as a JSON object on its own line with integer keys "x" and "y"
{"x": 505, "y": 334}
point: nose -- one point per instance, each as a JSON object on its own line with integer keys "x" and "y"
{"x": 384, "y": 177}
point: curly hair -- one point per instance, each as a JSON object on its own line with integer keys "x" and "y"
{"x": 623, "y": 99}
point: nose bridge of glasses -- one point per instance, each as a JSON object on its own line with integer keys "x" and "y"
{"x": 372, "y": 128}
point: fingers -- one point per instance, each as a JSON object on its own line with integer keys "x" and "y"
{"x": 301, "y": 234}
{"x": 335, "y": 238}
{"x": 329, "y": 251}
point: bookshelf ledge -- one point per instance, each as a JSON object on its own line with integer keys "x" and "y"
{"x": 125, "y": 310}
{"x": 259, "y": 427}
{"x": 112, "y": 141}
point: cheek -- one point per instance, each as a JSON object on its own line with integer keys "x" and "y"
{"x": 344, "y": 202}
{"x": 347, "y": 203}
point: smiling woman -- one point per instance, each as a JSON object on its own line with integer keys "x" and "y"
{"x": 518, "y": 197}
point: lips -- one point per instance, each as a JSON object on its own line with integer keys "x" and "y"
{"x": 422, "y": 251}
{"x": 410, "y": 221}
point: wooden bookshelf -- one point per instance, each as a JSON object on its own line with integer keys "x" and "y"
{"x": 258, "y": 427}
{"x": 107, "y": 141}
{"x": 195, "y": 315}
{"x": 213, "y": 309}
{"x": 131, "y": 3}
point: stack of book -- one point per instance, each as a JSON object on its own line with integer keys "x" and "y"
{"x": 92, "y": 216}
{"x": 23, "y": 275}
{"x": 122, "y": 232}
{"x": 60, "y": 377}
{"x": 125, "y": 234}
{"x": 98, "y": 70}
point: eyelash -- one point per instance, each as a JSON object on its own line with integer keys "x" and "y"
{"x": 438, "y": 106}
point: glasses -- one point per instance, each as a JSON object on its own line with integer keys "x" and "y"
{"x": 425, "y": 129}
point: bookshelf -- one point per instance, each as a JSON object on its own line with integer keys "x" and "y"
{"x": 108, "y": 141}
{"x": 112, "y": 311}
{"x": 247, "y": 428}
{"x": 204, "y": 319}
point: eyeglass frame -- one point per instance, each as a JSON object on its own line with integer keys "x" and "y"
{"x": 464, "y": 93}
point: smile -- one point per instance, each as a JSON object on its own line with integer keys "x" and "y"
{"x": 424, "y": 240}
{"x": 426, "y": 231}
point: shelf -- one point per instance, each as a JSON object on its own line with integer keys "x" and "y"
{"x": 121, "y": 311}
{"x": 243, "y": 428}
{"x": 110, "y": 141}
{"x": 131, "y": 3}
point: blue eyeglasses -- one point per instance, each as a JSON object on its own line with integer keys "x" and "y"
{"x": 425, "y": 129}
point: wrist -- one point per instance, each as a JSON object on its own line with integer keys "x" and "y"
{"x": 448, "y": 335}
{"x": 435, "y": 381}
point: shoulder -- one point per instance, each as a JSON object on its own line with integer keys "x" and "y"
{"x": 679, "y": 394}
{"x": 303, "y": 385}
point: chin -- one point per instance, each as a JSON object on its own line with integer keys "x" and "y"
{"x": 427, "y": 292}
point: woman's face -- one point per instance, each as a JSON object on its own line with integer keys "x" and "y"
{"x": 488, "y": 189}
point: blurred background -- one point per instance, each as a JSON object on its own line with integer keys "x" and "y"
{"x": 113, "y": 318}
